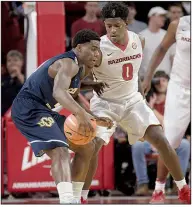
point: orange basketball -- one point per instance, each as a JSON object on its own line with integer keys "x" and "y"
{"x": 72, "y": 133}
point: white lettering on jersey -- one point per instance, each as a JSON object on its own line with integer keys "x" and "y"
{"x": 119, "y": 69}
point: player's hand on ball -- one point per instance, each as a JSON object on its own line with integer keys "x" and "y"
{"x": 104, "y": 122}
{"x": 99, "y": 87}
{"x": 85, "y": 127}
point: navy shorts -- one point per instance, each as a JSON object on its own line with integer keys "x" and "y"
{"x": 42, "y": 127}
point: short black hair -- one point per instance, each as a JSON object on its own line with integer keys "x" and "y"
{"x": 84, "y": 36}
{"x": 115, "y": 10}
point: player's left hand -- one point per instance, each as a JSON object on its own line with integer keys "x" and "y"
{"x": 104, "y": 122}
{"x": 98, "y": 87}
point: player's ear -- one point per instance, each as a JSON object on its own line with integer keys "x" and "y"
{"x": 78, "y": 47}
{"x": 127, "y": 21}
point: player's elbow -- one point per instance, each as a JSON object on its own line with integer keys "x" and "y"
{"x": 162, "y": 49}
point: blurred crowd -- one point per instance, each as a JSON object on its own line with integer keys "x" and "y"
{"x": 135, "y": 166}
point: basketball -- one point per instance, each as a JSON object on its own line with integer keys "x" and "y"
{"x": 72, "y": 133}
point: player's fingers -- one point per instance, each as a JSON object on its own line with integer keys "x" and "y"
{"x": 81, "y": 129}
{"x": 101, "y": 90}
{"x": 90, "y": 130}
{"x": 107, "y": 85}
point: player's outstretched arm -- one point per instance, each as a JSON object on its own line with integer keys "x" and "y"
{"x": 159, "y": 54}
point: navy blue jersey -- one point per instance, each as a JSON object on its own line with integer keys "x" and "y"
{"x": 39, "y": 85}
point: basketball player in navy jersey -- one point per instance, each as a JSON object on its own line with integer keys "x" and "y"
{"x": 54, "y": 82}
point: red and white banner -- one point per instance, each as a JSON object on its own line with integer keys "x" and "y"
{"x": 29, "y": 173}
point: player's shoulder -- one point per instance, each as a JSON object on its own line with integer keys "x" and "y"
{"x": 104, "y": 38}
{"x": 184, "y": 23}
{"x": 185, "y": 19}
{"x": 135, "y": 36}
{"x": 105, "y": 42}
{"x": 131, "y": 33}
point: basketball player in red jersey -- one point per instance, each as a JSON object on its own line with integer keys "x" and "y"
{"x": 177, "y": 107}
{"x": 118, "y": 66}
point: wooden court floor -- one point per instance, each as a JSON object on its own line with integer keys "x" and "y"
{"x": 95, "y": 200}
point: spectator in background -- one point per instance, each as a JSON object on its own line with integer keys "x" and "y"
{"x": 156, "y": 99}
{"x": 133, "y": 24}
{"x": 13, "y": 80}
{"x": 89, "y": 21}
{"x": 175, "y": 11}
{"x": 153, "y": 36}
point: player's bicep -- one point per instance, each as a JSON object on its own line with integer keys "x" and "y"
{"x": 64, "y": 75}
{"x": 170, "y": 36}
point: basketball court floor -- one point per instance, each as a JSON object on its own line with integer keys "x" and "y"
{"x": 95, "y": 200}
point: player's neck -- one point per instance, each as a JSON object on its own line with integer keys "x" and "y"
{"x": 153, "y": 28}
{"x": 80, "y": 64}
{"x": 90, "y": 18}
{"x": 122, "y": 41}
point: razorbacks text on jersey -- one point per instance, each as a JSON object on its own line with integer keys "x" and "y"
{"x": 181, "y": 66}
{"x": 122, "y": 64}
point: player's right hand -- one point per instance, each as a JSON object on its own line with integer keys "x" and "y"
{"x": 146, "y": 85}
{"x": 85, "y": 127}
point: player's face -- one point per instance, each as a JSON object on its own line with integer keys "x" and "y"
{"x": 116, "y": 28}
{"x": 162, "y": 86}
{"x": 175, "y": 13}
{"x": 89, "y": 53}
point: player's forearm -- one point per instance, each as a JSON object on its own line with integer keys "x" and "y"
{"x": 155, "y": 61}
{"x": 82, "y": 103}
{"x": 67, "y": 101}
